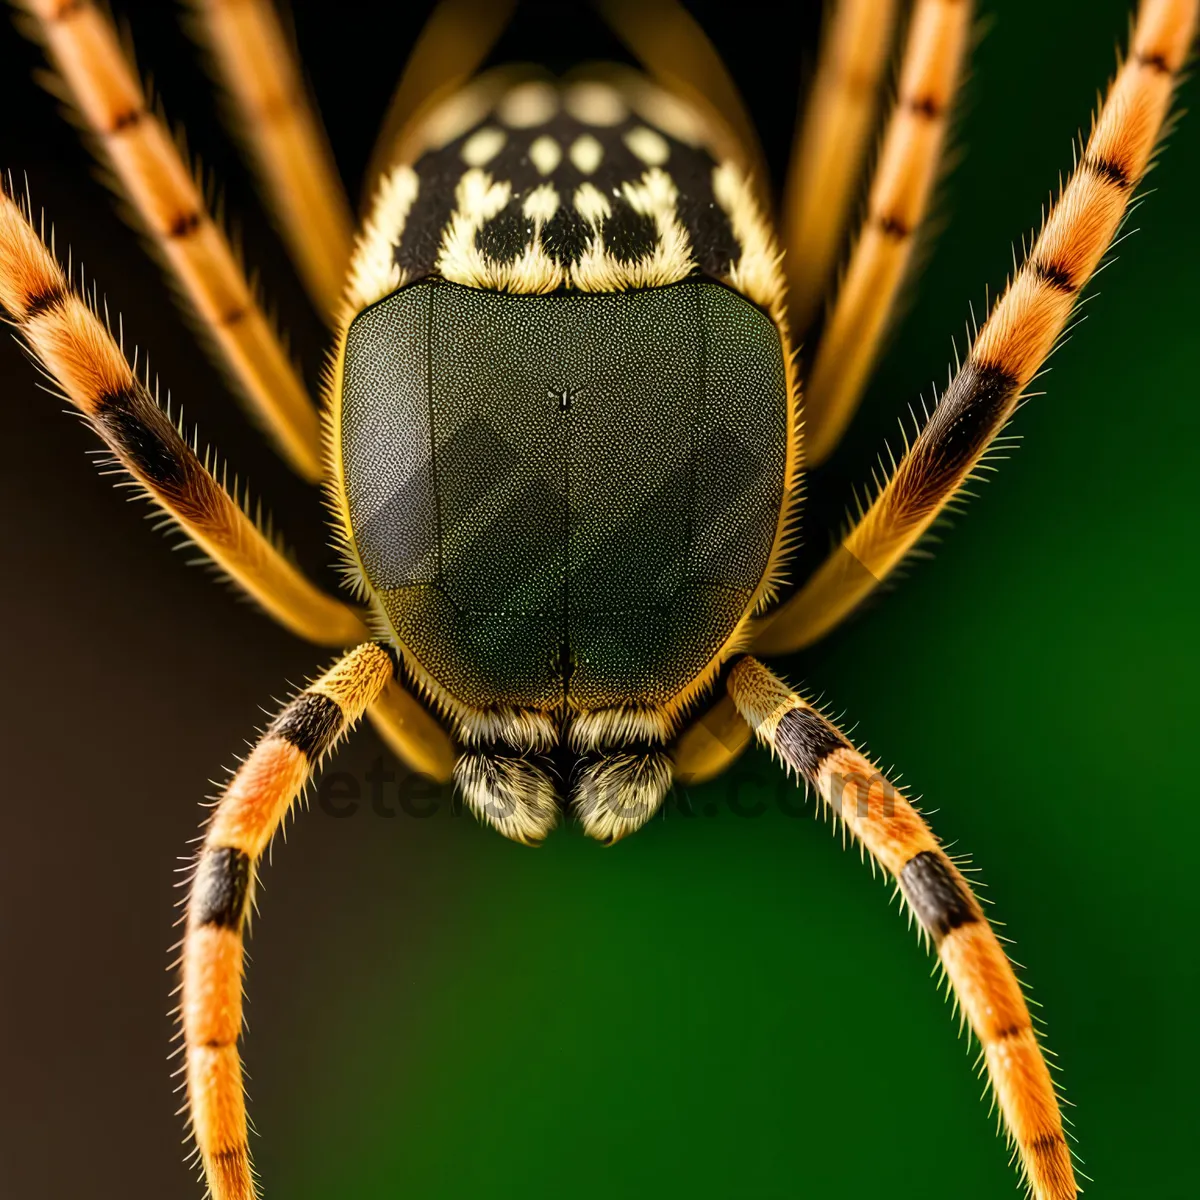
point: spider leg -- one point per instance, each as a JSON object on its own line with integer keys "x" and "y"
{"x": 77, "y": 350}
{"x": 411, "y": 733}
{"x": 1011, "y": 347}
{"x": 710, "y": 742}
{"x": 896, "y": 836}
{"x": 670, "y": 44}
{"x": 899, "y": 196}
{"x": 196, "y": 255}
{"x": 246, "y": 817}
{"x": 831, "y": 145}
{"x": 257, "y": 62}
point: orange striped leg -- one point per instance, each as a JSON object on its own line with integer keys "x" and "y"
{"x": 1013, "y": 344}
{"x": 199, "y": 261}
{"x": 257, "y": 63}
{"x": 243, "y": 823}
{"x": 896, "y": 836}
{"x": 831, "y": 146}
{"x": 900, "y": 192}
{"x": 77, "y": 350}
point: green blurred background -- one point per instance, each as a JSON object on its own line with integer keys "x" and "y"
{"x": 725, "y": 1005}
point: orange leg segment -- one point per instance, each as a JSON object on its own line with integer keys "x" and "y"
{"x": 896, "y": 836}
{"x": 85, "y": 49}
{"x": 1012, "y": 346}
{"x": 243, "y": 823}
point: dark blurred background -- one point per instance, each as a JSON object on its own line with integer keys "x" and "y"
{"x": 726, "y": 1004}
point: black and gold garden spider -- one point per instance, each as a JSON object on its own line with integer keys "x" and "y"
{"x": 563, "y": 437}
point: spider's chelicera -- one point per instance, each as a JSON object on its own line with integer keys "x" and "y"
{"x": 563, "y": 435}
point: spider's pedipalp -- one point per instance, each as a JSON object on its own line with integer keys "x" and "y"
{"x": 131, "y": 137}
{"x": 79, "y": 353}
{"x": 622, "y": 776}
{"x": 979, "y": 976}
{"x": 250, "y": 810}
{"x": 1025, "y": 326}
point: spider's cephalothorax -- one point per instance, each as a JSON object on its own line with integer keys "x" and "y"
{"x": 563, "y": 435}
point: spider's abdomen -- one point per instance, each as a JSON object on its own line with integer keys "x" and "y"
{"x": 566, "y": 496}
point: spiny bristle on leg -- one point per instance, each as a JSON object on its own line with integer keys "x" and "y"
{"x": 617, "y": 793}
{"x": 509, "y": 791}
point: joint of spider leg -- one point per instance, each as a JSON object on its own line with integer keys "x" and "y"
{"x": 44, "y": 302}
{"x": 312, "y": 724}
{"x": 1156, "y": 63}
{"x": 927, "y": 108}
{"x": 892, "y": 227}
{"x": 126, "y": 121}
{"x": 1055, "y": 276}
{"x": 1108, "y": 169}
{"x": 184, "y": 225}
{"x": 234, "y": 316}
{"x": 222, "y": 886}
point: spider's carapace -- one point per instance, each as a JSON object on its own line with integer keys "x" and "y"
{"x": 564, "y": 502}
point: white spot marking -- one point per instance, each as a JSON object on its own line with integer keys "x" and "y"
{"x": 541, "y": 204}
{"x": 545, "y": 154}
{"x": 652, "y": 148}
{"x": 527, "y": 105}
{"x": 591, "y": 204}
{"x": 595, "y": 104}
{"x": 586, "y": 153}
{"x": 481, "y": 147}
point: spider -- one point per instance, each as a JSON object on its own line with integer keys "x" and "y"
{"x": 563, "y": 436}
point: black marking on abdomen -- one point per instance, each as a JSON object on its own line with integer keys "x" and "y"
{"x": 222, "y": 887}
{"x": 566, "y": 236}
{"x": 806, "y": 741}
{"x": 629, "y": 235}
{"x": 939, "y": 900}
{"x": 714, "y": 245}
{"x": 421, "y": 241}
{"x": 311, "y": 723}
{"x": 504, "y": 238}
